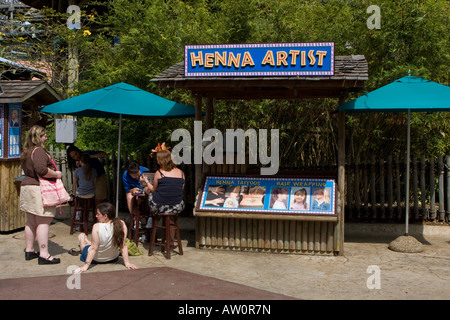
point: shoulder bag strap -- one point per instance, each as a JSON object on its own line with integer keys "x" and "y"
{"x": 51, "y": 159}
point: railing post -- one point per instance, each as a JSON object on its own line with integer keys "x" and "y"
{"x": 390, "y": 188}
{"x": 349, "y": 191}
{"x": 432, "y": 191}
{"x": 373, "y": 196}
{"x": 448, "y": 187}
{"x": 382, "y": 191}
{"x": 357, "y": 190}
{"x": 422, "y": 188}
{"x": 441, "y": 188}
{"x": 415, "y": 189}
{"x": 398, "y": 188}
{"x": 366, "y": 190}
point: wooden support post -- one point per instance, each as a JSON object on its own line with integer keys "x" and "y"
{"x": 349, "y": 194}
{"x": 198, "y": 167}
{"x": 209, "y": 119}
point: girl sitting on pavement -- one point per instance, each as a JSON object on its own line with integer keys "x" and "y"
{"x": 108, "y": 235}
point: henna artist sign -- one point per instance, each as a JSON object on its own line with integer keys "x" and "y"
{"x": 280, "y": 59}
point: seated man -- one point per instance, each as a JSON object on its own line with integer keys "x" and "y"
{"x": 131, "y": 181}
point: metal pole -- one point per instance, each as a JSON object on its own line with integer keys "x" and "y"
{"x": 118, "y": 166}
{"x": 408, "y": 134}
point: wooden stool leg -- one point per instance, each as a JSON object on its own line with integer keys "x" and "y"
{"x": 94, "y": 211}
{"x": 178, "y": 235}
{"x": 168, "y": 238}
{"x": 85, "y": 216}
{"x": 137, "y": 227}
{"x": 153, "y": 238}
{"x": 130, "y": 227}
{"x": 170, "y": 229}
{"x": 74, "y": 215}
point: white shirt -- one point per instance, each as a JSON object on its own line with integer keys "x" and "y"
{"x": 106, "y": 249}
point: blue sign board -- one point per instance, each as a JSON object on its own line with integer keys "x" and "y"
{"x": 269, "y": 195}
{"x": 14, "y": 134}
{"x": 281, "y": 59}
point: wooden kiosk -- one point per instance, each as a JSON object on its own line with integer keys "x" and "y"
{"x": 19, "y": 101}
{"x": 266, "y": 231}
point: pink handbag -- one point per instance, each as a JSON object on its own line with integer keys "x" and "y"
{"x": 53, "y": 193}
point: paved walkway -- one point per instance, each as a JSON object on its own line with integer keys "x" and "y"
{"x": 368, "y": 271}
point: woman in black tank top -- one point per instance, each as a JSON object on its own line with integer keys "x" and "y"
{"x": 166, "y": 192}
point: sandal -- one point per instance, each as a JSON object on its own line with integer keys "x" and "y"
{"x": 74, "y": 252}
{"x": 47, "y": 261}
{"x": 31, "y": 255}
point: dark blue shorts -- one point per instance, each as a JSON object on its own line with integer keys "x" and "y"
{"x": 84, "y": 254}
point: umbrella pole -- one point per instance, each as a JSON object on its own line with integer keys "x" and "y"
{"x": 118, "y": 166}
{"x": 408, "y": 142}
{"x": 406, "y": 243}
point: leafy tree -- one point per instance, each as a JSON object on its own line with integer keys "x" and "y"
{"x": 135, "y": 40}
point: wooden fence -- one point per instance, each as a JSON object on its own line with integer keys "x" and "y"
{"x": 375, "y": 191}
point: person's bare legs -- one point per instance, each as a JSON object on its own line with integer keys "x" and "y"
{"x": 30, "y": 232}
{"x": 42, "y": 230}
{"x": 130, "y": 201}
{"x": 83, "y": 240}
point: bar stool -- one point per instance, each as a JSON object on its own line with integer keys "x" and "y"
{"x": 84, "y": 205}
{"x": 169, "y": 225}
{"x": 140, "y": 210}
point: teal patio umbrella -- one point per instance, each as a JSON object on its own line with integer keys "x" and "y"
{"x": 407, "y": 94}
{"x": 117, "y": 101}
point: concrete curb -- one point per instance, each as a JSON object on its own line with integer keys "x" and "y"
{"x": 397, "y": 229}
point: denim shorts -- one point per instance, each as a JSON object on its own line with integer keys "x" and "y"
{"x": 84, "y": 254}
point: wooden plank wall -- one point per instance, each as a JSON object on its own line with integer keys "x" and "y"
{"x": 11, "y": 217}
{"x": 265, "y": 235}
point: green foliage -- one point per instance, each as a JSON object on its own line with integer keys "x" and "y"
{"x": 413, "y": 37}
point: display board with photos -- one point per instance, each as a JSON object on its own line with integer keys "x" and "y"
{"x": 307, "y": 196}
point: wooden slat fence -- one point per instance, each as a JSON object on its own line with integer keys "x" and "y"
{"x": 377, "y": 191}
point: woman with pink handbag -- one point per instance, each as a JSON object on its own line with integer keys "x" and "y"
{"x": 37, "y": 163}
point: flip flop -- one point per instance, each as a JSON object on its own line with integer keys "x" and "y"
{"x": 74, "y": 252}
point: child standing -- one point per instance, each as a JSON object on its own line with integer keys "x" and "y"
{"x": 84, "y": 179}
